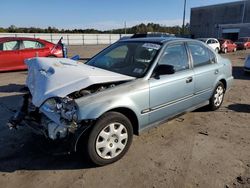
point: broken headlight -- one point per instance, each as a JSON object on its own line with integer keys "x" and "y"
{"x": 50, "y": 105}
{"x": 66, "y": 107}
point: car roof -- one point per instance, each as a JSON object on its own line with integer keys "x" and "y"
{"x": 157, "y": 39}
{"x": 207, "y": 38}
{"x": 2, "y": 39}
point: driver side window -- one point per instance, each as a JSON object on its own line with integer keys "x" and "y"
{"x": 113, "y": 58}
{"x": 176, "y": 56}
{"x": 118, "y": 53}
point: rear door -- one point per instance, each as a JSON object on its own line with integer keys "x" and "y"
{"x": 10, "y": 55}
{"x": 172, "y": 94}
{"x": 206, "y": 71}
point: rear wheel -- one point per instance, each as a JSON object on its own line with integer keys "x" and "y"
{"x": 217, "y": 97}
{"x": 110, "y": 138}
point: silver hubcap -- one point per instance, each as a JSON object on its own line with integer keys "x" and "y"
{"x": 111, "y": 141}
{"x": 218, "y": 96}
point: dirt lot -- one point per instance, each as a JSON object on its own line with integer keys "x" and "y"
{"x": 198, "y": 149}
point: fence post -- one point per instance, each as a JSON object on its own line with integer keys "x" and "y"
{"x": 97, "y": 39}
{"x": 109, "y": 38}
{"x": 68, "y": 39}
{"x": 83, "y": 39}
{"x": 51, "y": 40}
{"x": 34, "y": 35}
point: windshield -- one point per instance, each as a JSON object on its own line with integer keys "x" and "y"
{"x": 128, "y": 58}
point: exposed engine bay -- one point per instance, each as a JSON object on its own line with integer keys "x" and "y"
{"x": 57, "y": 117}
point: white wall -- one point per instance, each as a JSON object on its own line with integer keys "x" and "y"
{"x": 71, "y": 39}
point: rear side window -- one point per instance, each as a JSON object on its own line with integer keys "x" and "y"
{"x": 200, "y": 54}
{"x": 209, "y": 41}
{"x": 212, "y": 56}
{"x": 175, "y": 55}
{"x": 32, "y": 44}
{"x": 11, "y": 45}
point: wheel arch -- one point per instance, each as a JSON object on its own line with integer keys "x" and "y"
{"x": 224, "y": 82}
{"x": 130, "y": 114}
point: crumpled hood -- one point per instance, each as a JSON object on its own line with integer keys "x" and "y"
{"x": 50, "y": 77}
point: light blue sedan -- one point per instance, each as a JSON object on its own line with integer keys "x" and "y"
{"x": 125, "y": 89}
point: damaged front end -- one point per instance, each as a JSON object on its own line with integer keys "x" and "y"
{"x": 49, "y": 106}
{"x": 56, "y": 120}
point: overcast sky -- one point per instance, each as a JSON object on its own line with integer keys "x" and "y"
{"x": 98, "y": 14}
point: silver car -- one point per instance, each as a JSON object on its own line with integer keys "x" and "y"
{"x": 247, "y": 64}
{"x": 125, "y": 89}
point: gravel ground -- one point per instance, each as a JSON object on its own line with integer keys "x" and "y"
{"x": 198, "y": 149}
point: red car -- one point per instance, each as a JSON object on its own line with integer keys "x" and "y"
{"x": 243, "y": 43}
{"x": 227, "y": 45}
{"x": 14, "y": 50}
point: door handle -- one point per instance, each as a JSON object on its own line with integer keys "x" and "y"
{"x": 189, "y": 79}
{"x": 216, "y": 71}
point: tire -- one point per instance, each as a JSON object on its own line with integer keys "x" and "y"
{"x": 217, "y": 50}
{"x": 225, "y": 51}
{"x": 235, "y": 49}
{"x": 110, "y": 138}
{"x": 217, "y": 98}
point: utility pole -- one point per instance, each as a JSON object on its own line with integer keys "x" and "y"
{"x": 243, "y": 13}
{"x": 125, "y": 27}
{"x": 184, "y": 15}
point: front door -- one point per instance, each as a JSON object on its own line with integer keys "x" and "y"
{"x": 10, "y": 55}
{"x": 172, "y": 94}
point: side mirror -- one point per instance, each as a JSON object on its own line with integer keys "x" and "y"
{"x": 163, "y": 70}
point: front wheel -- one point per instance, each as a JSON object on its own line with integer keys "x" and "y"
{"x": 217, "y": 97}
{"x": 110, "y": 138}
